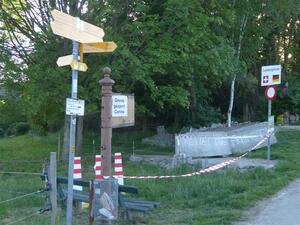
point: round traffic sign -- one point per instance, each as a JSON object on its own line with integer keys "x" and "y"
{"x": 270, "y": 92}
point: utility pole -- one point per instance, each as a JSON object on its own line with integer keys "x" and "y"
{"x": 72, "y": 138}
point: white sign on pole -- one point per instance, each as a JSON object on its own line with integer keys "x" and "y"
{"x": 75, "y": 107}
{"x": 270, "y": 75}
{"x": 119, "y": 106}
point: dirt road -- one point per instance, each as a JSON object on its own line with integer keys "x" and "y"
{"x": 282, "y": 209}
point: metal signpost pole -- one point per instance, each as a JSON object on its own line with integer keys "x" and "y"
{"x": 91, "y": 38}
{"x": 269, "y": 138}
{"x": 53, "y": 191}
{"x": 72, "y": 138}
{"x": 270, "y": 75}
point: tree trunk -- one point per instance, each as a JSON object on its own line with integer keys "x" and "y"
{"x": 66, "y": 138}
{"x": 246, "y": 113}
{"x": 238, "y": 52}
{"x": 144, "y": 123}
{"x": 176, "y": 119}
{"x": 194, "y": 99}
{"x": 79, "y": 131}
{"x": 229, "y": 112}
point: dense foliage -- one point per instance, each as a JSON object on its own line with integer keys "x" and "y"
{"x": 177, "y": 57}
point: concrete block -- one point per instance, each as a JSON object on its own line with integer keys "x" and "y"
{"x": 221, "y": 143}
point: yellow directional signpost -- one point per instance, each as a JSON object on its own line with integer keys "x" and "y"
{"x": 90, "y": 38}
{"x": 64, "y": 60}
{"x": 75, "y": 65}
{"x": 75, "y": 29}
{"x": 99, "y": 47}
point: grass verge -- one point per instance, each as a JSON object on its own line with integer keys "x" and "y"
{"x": 210, "y": 199}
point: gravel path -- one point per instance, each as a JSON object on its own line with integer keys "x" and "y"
{"x": 282, "y": 209}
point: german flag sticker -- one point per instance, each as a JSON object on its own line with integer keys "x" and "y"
{"x": 275, "y": 79}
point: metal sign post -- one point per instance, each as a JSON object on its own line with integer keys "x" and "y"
{"x": 270, "y": 94}
{"x": 72, "y": 138}
{"x": 270, "y": 75}
{"x": 269, "y": 138}
{"x": 53, "y": 191}
{"x": 84, "y": 33}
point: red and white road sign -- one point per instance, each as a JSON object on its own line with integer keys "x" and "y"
{"x": 270, "y": 92}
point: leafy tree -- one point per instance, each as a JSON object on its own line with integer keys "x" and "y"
{"x": 179, "y": 58}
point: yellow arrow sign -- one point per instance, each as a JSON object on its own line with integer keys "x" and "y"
{"x": 78, "y": 66}
{"x": 99, "y": 47}
{"x": 64, "y": 60}
{"x": 75, "y": 29}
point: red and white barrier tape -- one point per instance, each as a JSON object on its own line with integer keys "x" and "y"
{"x": 207, "y": 170}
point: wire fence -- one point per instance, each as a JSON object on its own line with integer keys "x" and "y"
{"x": 20, "y": 173}
{"x": 45, "y": 160}
{"x": 24, "y": 218}
{"x": 22, "y": 161}
{"x": 22, "y": 196}
{"x": 18, "y": 193}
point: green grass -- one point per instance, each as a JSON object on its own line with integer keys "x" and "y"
{"x": 210, "y": 199}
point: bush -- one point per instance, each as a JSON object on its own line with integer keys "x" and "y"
{"x": 22, "y": 128}
{"x": 37, "y": 129}
{"x": 11, "y": 130}
{"x": 1, "y": 132}
{"x": 207, "y": 115}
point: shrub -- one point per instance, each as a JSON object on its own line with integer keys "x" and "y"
{"x": 207, "y": 115}
{"x": 22, "y": 128}
{"x": 11, "y": 130}
{"x": 1, "y": 132}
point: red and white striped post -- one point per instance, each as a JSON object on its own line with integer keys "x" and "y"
{"x": 119, "y": 174}
{"x": 98, "y": 173}
{"x": 77, "y": 172}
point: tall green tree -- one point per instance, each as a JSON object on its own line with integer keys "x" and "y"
{"x": 179, "y": 58}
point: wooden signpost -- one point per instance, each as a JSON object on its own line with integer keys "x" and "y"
{"x": 75, "y": 29}
{"x": 64, "y": 60}
{"x": 91, "y": 39}
{"x": 75, "y": 65}
{"x": 99, "y": 47}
